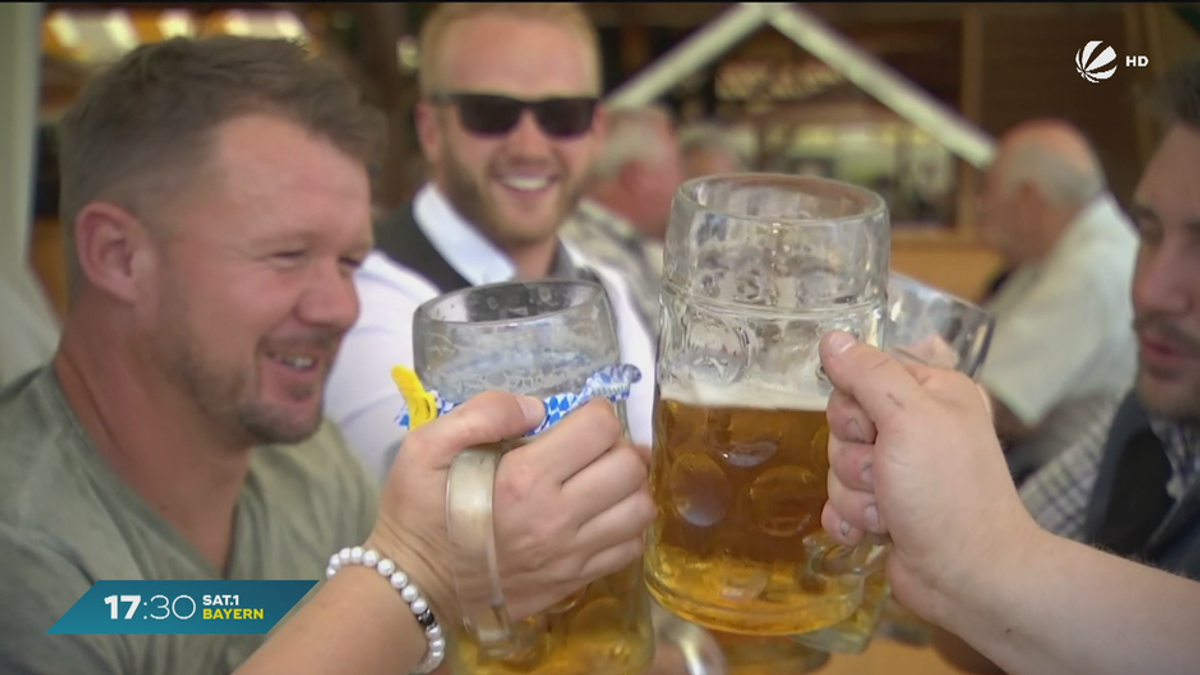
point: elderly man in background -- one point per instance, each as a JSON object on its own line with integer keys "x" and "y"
{"x": 1063, "y": 354}
{"x": 622, "y": 220}
{"x": 707, "y": 150}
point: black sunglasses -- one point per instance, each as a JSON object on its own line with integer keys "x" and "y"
{"x": 493, "y": 115}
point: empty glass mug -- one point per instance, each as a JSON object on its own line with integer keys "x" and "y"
{"x": 929, "y": 326}
{"x": 543, "y": 339}
{"x": 756, "y": 269}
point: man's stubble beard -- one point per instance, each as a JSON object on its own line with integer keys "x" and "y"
{"x": 219, "y": 395}
{"x": 469, "y": 198}
{"x": 1184, "y": 408}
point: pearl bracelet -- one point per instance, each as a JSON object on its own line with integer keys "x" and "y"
{"x": 408, "y": 592}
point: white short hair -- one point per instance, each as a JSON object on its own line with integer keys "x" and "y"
{"x": 707, "y": 137}
{"x": 1062, "y": 182}
{"x": 634, "y": 134}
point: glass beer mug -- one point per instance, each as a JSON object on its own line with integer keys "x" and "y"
{"x": 768, "y": 655}
{"x": 542, "y": 339}
{"x": 936, "y": 328}
{"x": 923, "y": 325}
{"x": 757, "y": 269}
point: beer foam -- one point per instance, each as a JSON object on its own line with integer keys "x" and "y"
{"x": 538, "y": 372}
{"x": 756, "y": 395}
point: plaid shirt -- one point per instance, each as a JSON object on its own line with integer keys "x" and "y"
{"x": 1058, "y": 494}
{"x": 1181, "y": 443}
{"x": 601, "y": 235}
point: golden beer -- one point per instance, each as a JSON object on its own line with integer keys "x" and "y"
{"x": 538, "y": 338}
{"x": 853, "y": 635}
{"x": 740, "y": 480}
{"x": 603, "y": 628}
{"x": 900, "y": 624}
{"x": 752, "y": 655}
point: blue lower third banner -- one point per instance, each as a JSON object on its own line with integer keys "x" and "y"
{"x": 140, "y": 607}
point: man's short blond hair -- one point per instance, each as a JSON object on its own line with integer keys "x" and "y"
{"x": 433, "y": 31}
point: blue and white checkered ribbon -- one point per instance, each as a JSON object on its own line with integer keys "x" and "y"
{"x": 612, "y": 382}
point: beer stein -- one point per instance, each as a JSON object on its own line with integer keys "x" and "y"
{"x": 853, "y": 635}
{"x": 757, "y": 269}
{"x": 899, "y": 624}
{"x": 936, "y": 328}
{"x": 697, "y": 649}
{"x": 768, "y": 655}
{"x": 551, "y": 339}
{"x": 929, "y": 326}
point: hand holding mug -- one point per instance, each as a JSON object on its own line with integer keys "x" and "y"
{"x": 913, "y": 454}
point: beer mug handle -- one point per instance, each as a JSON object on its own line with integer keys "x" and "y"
{"x": 473, "y": 563}
{"x": 702, "y": 654}
{"x": 826, "y": 557}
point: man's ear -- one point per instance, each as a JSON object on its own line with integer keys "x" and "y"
{"x": 631, "y": 176}
{"x": 114, "y": 249}
{"x": 600, "y": 125}
{"x": 429, "y": 133}
{"x": 1027, "y": 191}
{"x": 1032, "y": 203}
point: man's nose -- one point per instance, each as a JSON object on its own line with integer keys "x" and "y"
{"x": 1161, "y": 278}
{"x": 330, "y": 299}
{"x": 528, "y": 138}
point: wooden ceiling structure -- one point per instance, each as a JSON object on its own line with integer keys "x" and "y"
{"x": 949, "y": 50}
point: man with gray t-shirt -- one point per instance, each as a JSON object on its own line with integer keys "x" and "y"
{"x": 216, "y": 203}
{"x": 68, "y": 520}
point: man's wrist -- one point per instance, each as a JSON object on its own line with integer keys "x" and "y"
{"x": 369, "y": 594}
{"x": 421, "y": 572}
{"x": 985, "y": 572}
{"x": 407, "y": 598}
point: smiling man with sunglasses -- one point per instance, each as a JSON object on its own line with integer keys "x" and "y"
{"x": 510, "y": 123}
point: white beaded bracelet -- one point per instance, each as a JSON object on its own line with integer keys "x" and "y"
{"x": 408, "y": 592}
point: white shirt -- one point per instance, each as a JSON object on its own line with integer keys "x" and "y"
{"x": 360, "y": 394}
{"x": 1063, "y": 353}
{"x": 606, "y": 237}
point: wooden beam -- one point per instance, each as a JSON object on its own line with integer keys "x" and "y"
{"x": 971, "y": 103}
{"x": 382, "y": 25}
{"x": 376, "y": 70}
{"x": 1156, "y": 48}
{"x": 635, "y": 48}
{"x": 1144, "y": 126}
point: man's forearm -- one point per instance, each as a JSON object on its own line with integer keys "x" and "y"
{"x": 1056, "y": 607}
{"x": 355, "y": 624}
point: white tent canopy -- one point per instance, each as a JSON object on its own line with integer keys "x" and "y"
{"x": 892, "y": 89}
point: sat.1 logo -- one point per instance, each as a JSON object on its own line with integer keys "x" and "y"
{"x": 1096, "y": 67}
{"x": 1097, "y": 62}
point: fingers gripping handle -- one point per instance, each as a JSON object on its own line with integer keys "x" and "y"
{"x": 826, "y": 557}
{"x": 469, "y": 490}
{"x": 473, "y": 562}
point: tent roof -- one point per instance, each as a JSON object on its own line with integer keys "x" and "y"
{"x": 857, "y": 66}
